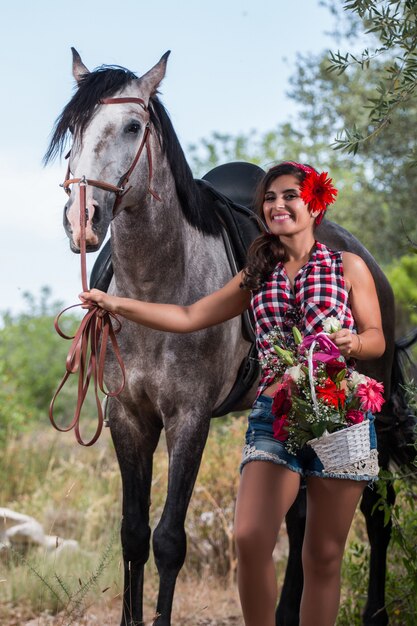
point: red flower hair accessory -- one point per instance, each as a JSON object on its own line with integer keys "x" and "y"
{"x": 316, "y": 190}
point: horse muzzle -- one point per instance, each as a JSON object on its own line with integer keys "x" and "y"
{"x": 93, "y": 223}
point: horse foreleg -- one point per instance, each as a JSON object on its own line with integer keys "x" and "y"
{"x": 288, "y": 610}
{"x": 379, "y": 535}
{"x": 185, "y": 446}
{"x": 134, "y": 452}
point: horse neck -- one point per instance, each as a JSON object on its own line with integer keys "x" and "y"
{"x": 157, "y": 255}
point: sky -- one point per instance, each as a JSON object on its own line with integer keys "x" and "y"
{"x": 228, "y": 71}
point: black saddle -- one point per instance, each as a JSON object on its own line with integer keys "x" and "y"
{"x": 228, "y": 190}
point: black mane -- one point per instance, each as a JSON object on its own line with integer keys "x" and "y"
{"x": 104, "y": 82}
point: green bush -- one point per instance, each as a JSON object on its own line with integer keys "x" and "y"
{"x": 401, "y": 584}
{"x": 402, "y": 275}
{"x": 13, "y": 413}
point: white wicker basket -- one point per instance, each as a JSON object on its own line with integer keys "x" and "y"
{"x": 343, "y": 447}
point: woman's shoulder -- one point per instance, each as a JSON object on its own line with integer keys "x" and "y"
{"x": 355, "y": 269}
{"x": 349, "y": 264}
{"x": 349, "y": 259}
{"x": 353, "y": 261}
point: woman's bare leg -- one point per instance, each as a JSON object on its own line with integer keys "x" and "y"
{"x": 331, "y": 504}
{"x": 266, "y": 492}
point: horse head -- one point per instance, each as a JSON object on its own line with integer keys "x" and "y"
{"x": 110, "y": 121}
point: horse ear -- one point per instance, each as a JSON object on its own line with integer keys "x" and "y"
{"x": 78, "y": 67}
{"x": 150, "y": 81}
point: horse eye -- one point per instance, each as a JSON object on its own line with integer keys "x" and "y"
{"x": 133, "y": 128}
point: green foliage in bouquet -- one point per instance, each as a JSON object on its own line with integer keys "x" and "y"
{"x": 318, "y": 393}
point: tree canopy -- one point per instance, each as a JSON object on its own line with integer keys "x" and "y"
{"x": 391, "y": 27}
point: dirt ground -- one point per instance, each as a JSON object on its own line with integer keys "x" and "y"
{"x": 101, "y": 616}
{"x": 208, "y": 601}
{"x": 196, "y": 603}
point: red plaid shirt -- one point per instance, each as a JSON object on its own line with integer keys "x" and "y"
{"x": 319, "y": 292}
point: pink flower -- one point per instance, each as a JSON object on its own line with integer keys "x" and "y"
{"x": 370, "y": 395}
{"x": 328, "y": 350}
{"x": 355, "y": 417}
{"x": 280, "y": 428}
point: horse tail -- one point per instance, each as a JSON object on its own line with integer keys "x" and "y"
{"x": 402, "y": 436}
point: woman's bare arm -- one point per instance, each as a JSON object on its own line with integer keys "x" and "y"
{"x": 369, "y": 343}
{"x": 227, "y": 302}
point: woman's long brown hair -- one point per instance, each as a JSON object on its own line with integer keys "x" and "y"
{"x": 266, "y": 250}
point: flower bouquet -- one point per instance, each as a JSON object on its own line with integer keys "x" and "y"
{"x": 318, "y": 394}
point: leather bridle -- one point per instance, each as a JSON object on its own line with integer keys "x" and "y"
{"x": 121, "y": 189}
{"x": 87, "y": 354}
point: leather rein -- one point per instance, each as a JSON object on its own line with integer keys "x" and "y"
{"x": 87, "y": 353}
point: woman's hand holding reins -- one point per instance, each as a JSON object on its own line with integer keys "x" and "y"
{"x": 101, "y": 298}
{"x": 215, "y": 308}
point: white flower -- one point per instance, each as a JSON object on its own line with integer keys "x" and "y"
{"x": 356, "y": 379}
{"x": 296, "y": 373}
{"x": 207, "y": 517}
{"x": 331, "y": 325}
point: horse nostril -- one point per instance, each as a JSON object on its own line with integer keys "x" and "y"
{"x": 97, "y": 215}
{"x": 67, "y": 224}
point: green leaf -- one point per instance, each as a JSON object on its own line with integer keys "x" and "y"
{"x": 285, "y": 355}
{"x": 341, "y": 375}
{"x": 297, "y": 335}
{"x": 318, "y": 429}
{"x": 301, "y": 406}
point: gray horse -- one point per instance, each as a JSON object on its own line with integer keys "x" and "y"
{"x": 165, "y": 248}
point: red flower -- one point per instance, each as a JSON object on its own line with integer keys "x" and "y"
{"x": 330, "y": 393}
{"x": 282, "y": 401}
{"x": 333, "y": 367}
{"x": 279, "y": 427}
{"x": 354, "y": 417}
{"x": 370, "y": 395}
{"x": 318, "y": 192}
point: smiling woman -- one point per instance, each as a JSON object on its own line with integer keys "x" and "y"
{"x": 291, "y": 196}
{"x": 291, "y": 280}
{"x": 297, "y": 283}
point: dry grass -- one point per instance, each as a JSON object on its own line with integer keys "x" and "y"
{"x": 203, "y": 602}
{"x": 75, "y": 493}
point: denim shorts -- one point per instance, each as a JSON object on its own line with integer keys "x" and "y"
{"x": 260, "y": 445}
